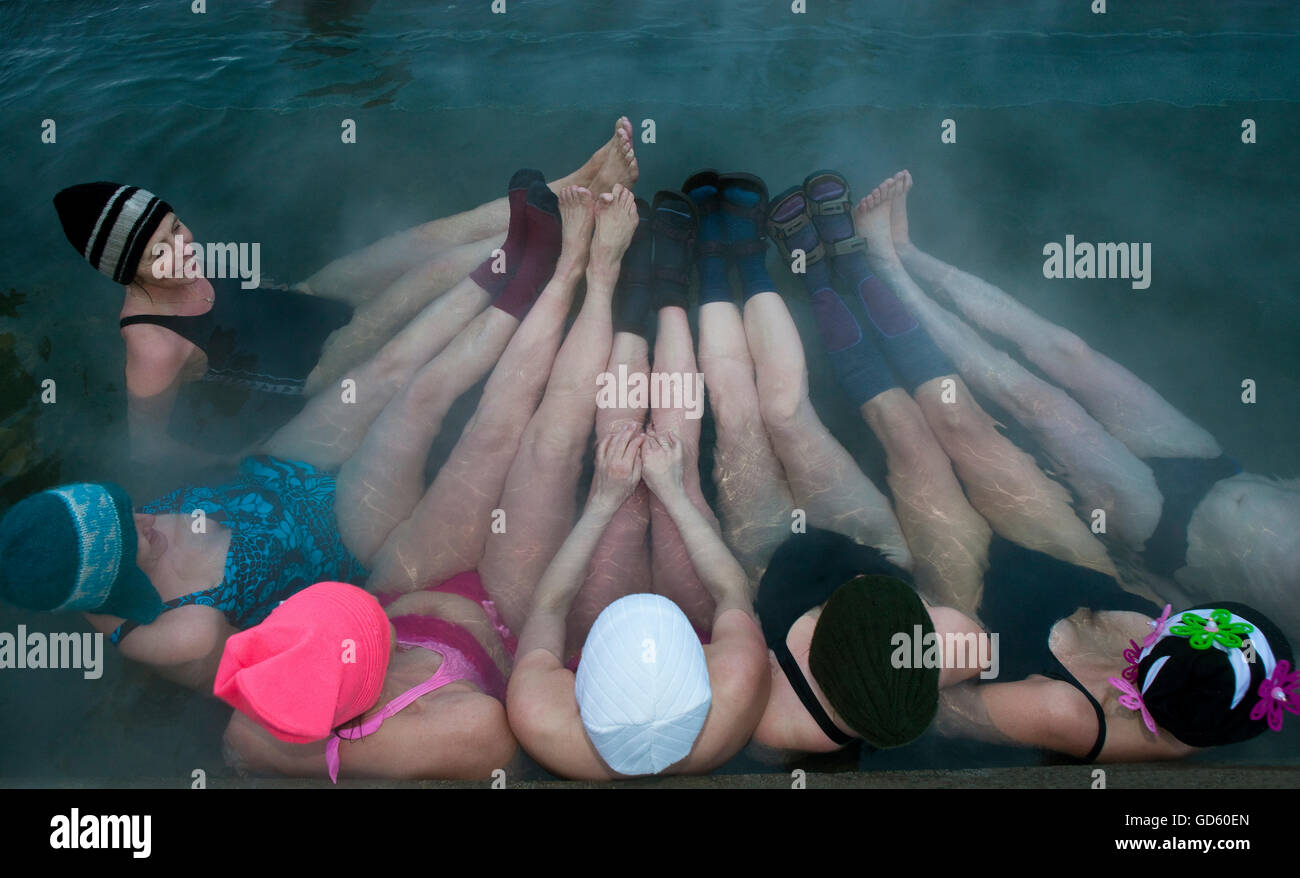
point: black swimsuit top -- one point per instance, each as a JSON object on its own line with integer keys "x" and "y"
{"x": 804, "y": 572}
{"x": 264, "y": 339}
{"x": 1025, "y": 594}
{"x": 261, "y": 345}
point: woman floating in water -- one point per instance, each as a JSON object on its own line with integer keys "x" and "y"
{"x": 439, "y": 708}
{"x": 213, "y": 369}
{"x": 1183, "y": 518}
{"x": 172, "y": 583}
{"x": 1086, "y": 703}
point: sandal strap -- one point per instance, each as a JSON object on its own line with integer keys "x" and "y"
{"x": 849, "y": 245}
{"x": 838, "y": 204}
{"x": 780, "y": 233}
{"x": 675, "y": 232}
{"x": 788, "y": 228}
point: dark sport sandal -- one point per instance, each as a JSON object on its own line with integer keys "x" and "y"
{"x": 781, "y": 232}
{"x": 636, "y": 267}
{"x": 704, "y": 207}
{"x": 834, "y": 204}
{"x": 755, "y": 213}
{"x": 675, "y": 222}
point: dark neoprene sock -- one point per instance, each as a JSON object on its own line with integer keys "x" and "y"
{"x": 632, "y": 294}
{"x": 910, "y": 350}
{"x": 537, "y": 262}
{"x": 671, "y": 257}
{"x": 516, "y": 233}
{"x": 712, "y": 265}
{"x": 753, "y": 265}
{"x": 859, "y": 364}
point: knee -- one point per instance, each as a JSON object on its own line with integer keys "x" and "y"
{"x": 548, "y": 446}
{"x": 954, "y": 420}
{"x": 781, "y": 404}
{"x": 1069, "y": 348}
{"x": 1037, "y": 403}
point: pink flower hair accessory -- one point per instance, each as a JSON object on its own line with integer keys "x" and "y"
{"x": 1132, "y": 656}
{"x": 1157, "y": 628}
{"x": 1277, "y": 693}
{"x": 1131, "y": 698}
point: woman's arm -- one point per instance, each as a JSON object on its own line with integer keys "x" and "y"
{"x": 155, "y": 371}
{"x": 618, "y": 469}
{"x": 714, "y": 564}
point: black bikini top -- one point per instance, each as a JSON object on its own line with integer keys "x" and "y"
{"x": 804, "y": 572}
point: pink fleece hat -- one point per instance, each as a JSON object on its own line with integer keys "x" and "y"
{"x": 316, "y": 662}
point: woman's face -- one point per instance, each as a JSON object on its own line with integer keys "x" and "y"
{"x": 152, "y": 270}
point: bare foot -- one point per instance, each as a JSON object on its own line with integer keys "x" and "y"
{"x": 620, "y": 165}
{"x": 577, "y": 218}
{"x": 584, "y": 175}
{"x": 871, "y": 221}
{"x": 616, "y": 220}
{"x": 898, "y": 210}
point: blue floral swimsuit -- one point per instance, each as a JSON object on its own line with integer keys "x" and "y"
{"x": 284, "y": 537}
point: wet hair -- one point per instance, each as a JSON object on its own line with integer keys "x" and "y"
{"x": 851, "y": 659}
{"x": 1191, "y": 695}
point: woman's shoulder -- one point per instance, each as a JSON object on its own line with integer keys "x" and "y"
{"x": 448, "y": 733}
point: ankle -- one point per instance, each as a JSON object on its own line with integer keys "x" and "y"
{"x": 905, "y": 249}
{"x": 882, "y": 262}
{"x": 601, "y": 277}
{"x": 569, "y": 268}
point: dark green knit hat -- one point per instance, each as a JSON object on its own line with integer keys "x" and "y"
{"x": 851, "y": 654}
{"x": 74, "y": 548}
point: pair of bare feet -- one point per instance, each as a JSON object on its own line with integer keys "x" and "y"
{"x": 881, "y": 218}
{"x": 598, "y": 210}
{"x": 595, "y": 232}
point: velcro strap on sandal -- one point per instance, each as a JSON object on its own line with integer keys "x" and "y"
{"x": 789, "y": 227}
{"x": 848, "y": 245}
{"x": 676, "y": 232}
{"x": 839, "y": 204}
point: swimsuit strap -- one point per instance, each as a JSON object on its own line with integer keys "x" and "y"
{"x": 807, "y": 696}
{"x": 192, "y": 598}
{"x": 1065, "y": 676}
{"x": 454, "y": 666}
{"x": 190, "y": 327}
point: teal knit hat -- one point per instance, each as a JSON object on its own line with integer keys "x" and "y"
{"x": 73, "y": 548}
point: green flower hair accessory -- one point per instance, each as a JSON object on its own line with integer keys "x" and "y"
{"x": 1218, "y": 628}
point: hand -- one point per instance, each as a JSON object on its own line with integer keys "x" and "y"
{"x": 618, "y": 468}
{"x": 661, "y": 458}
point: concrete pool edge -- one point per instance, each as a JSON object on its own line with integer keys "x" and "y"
{"x": 1132, "y": 776}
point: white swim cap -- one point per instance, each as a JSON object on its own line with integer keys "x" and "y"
{"x": 643, "y": 685}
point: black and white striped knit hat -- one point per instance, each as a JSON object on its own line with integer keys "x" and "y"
{"x": 110, "y": 224}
